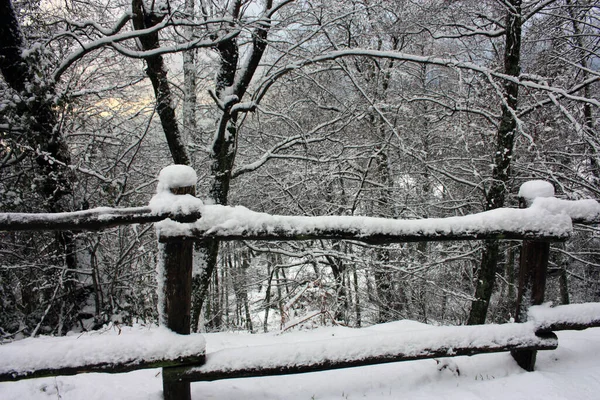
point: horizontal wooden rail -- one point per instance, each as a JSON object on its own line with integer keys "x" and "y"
{"x": 109, "y": 367}
{"x": 89, "y": 220}
{"x": 93, "y": 352}
{"x": 339, "y": 353}
{"x": 239, "y": 223}
{"x": 575, "y": 317}
{"x": 373, "y": 238}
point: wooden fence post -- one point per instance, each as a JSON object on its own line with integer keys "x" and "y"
{"x": 533, "y": 269}
{"x": 177, "y": 259}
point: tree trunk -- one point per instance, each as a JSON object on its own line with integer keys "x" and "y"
{"x": 189, "y": 76}
{"x": 157, "y": 72}
{"x": 231, "y": 84}
{"x": 501, "y": 172}
{"x": 38, "y": 118}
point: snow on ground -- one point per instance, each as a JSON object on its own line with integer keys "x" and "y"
{"x": 570, "y": 372}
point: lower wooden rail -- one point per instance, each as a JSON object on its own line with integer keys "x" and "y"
{"x": 184, "y": 360}
{"x": 92, "y": 352}
{"x": 567, "y": 317}
{"x": 338, "y": 353}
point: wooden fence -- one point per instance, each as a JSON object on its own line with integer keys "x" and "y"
{"x": 181, "y": 219}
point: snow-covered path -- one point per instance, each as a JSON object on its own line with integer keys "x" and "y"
{"x": 570, "y": 372}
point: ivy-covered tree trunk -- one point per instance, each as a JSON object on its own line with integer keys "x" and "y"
{"x": 34, "y": 114}
{"x": 505, "y": 137}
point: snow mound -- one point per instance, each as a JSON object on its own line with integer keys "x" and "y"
{"x": 176, "y": 176}
{"x": 536, "y": 188}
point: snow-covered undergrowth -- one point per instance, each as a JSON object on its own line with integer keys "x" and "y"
{"x": 570, "y": 372}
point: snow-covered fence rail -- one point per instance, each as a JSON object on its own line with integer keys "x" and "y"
{"x": 239, "y": 223}
{"x": 448, "y": 341}
{"x": 99, "y": 352}
{"x": 181, "y": 219}
{"x": 574, "y": 317}
{"x": 89, "y": 220}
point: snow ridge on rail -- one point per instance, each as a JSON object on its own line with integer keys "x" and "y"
{"x": 565, "y": 317}
{"x": 239, "y": 223}
{"x": 348, "y": 352}
{"x": 130, "y": 349}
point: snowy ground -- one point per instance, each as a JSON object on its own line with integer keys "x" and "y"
{"x": 570, "y": 372}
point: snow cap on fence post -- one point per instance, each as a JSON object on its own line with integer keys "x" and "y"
{"x": 532, "y": 189}
{"x": 173, "y": 181}
{"x": 175, "y": 177}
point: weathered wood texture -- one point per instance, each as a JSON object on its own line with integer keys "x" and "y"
{"x": 569, "y": 326}
{"x": 88, "y": 220}
{"x": 547, "y": 341}
{"x": 113, "y": 368}
{"x": 376, "y": 238}
{"x": 178, "y": 260}
{"x": 533, "y": 270}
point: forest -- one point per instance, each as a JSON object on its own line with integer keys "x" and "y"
{"x": 402, "y": 109}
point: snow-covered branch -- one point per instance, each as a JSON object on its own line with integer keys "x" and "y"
{"x": 113, "y": 38}
{"x": 443, "y": 62}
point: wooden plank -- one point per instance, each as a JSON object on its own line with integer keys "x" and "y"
{"x": 375, "y": 238}
{"x": 89, "y": 220}
{"x": 570, "y": 326}
{"x": 353, "y": 352}
{"x": 239, "y": 223}
{"x": 112, "y": 368}
{"x": 565, "y": 317}
{"x": 108, "y": 352}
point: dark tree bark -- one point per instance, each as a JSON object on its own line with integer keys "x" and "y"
{"x": 157, "y": 72}
{"x": 588, "y": 116}
{"x": 231, "y": 85}
{"x": 505, "y": 136}
{"x": 38, "y": 118}
{"x": 35, "y": 107}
